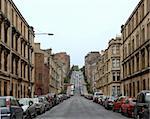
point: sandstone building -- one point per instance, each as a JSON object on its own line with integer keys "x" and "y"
{"x": 136, "y": 50}
{"x": 16, "y": 52}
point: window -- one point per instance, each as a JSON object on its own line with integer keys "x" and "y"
{"x": 12, "y": 40}
{"x": 113, "y": 91}
{"x": 129, "y": 48}
{"x": 137, "y": 62}
{"x": 5, "y": 61}
{"x": 143, "y": 58}
{"x": 16, "y": 90}
{"x": 114, "y": 76}
{"x": 142, "y": 11}
{"x": 130, "y": 88}
{"x": 21, "y": 90}
{"x": 16, "y": 21}
{"x": 113, "y": 49}
{"x": 137, "y": 41}
{"x": 117, "y": 49}
{"x": 118, "y": 90}
{"x": 144, "y": 85}
{"x": 0, "y": 5}
{"x": 16, "y": 67}
{"x": 138, "y": 86}
{"x": 40, "y": 76}
{"x": 143, "y": 35}
{"x": 133, "y": 89}
{"x": 132, "y": 45}
{"x": 129, "y": 28}
{"x": 118, "y": 63}
{"x": 137, "y": 19}
{"x": 118, "y": 76}
{"x": 24, "y": 91}
{"x": 16, "y": 43}
{"x": 5, "y": 35}
{"x": 133, "y": 65}
{"x": 133, "y": 23}
{"x": 12, "y": 89}
{"x": 5, "y": 88}
{"x": 24, "y": 70}
{"x": 12, "y": 16}
{"x": 148, "y": 5}
{"x": 24, "y": 50}
{"x": 129, "y": 68}
{"x": 5, "y": 7}
{"x": 113, "y": 63}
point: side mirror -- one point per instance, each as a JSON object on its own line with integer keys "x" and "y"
{"x": 30, "y": 103}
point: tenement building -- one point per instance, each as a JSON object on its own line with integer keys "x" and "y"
{"x": 136, "y": 50}
{"x": 16, "y": 52}
{"x": 90, "y": 66}
{"x": 49, "y": 74}
{"x": 108, "y": 69}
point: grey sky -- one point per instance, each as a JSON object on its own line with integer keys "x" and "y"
{"x": 80, "y": 26}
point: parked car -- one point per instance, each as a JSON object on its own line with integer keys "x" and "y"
{"x": 45, "y": 102}
{"x": 39, "y": 105}
{"x": 128, "y": 107}
{"x": 118, "y": 102}
{"x": 29, "y": 108}
{"x": 10, "y": 108}
{"x": 108, "y": 104}
{"x": 96, "y": 96}
{"x": 51, "y": 98}
{"x": 142, "y": 106}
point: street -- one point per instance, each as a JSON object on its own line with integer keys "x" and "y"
{"x": 80, "y": 108}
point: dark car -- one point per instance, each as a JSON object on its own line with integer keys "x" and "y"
{"x": 142, "y": 106}
{"x": 28, "y": 107}
{"x": 108, "y": 104}
{"x": 10, "y": 108}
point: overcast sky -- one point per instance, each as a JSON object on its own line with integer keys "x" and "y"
{"x": 79, "y": 26}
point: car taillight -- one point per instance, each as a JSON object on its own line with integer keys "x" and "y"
{"x": 7, "y": 102}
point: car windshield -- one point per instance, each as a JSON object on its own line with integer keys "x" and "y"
{"x": 2, "y": 102}
{"x": 24, "y": 101}
{"x": 147, "y": 98}
{"x": 35, "y": 100}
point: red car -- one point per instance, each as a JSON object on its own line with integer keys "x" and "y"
{"x": 117, "y": 103}
{"x": 128, "y": 107}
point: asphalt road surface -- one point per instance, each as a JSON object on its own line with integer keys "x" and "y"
{"x": 80, "y": 108}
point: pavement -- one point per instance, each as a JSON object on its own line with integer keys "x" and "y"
{"x": 78, "y": 107}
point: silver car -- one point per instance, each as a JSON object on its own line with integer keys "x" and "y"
{"x": 28, "y": 107}
{"x": 39, "y": 105}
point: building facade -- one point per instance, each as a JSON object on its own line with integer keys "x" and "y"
{"x": 90, "y": 65}
{"x": 16, "y": 52}
{"x": 48, "y": 73}
{"x": 108, "y": 69}
{"x": 136, "y": 50}
{"x": 64, "y": 58}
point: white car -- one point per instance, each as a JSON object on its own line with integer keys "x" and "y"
{"x": 96, "y": 96}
